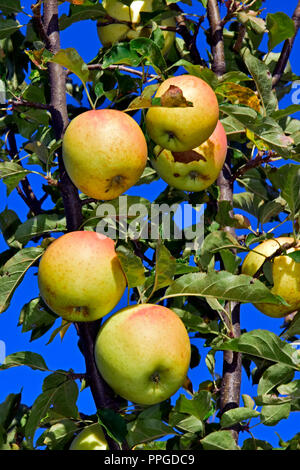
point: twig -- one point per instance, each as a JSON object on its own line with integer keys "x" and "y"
{"x": 124, "y": 68}
{"x": 216, "y": 37}
{"x": 189, "y": 39}
{"x": 259, "y": 160}
{"x": 282, "y": 248}
{"x": 287, "y": 49}
{"x": 26, "y": 104}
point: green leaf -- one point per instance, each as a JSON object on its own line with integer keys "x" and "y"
{"x": 263, "y": 80}
{"x": 256, "y": 444}
{"x": 58, "y": 435}
{"x": 8, "y": 409}
{"x": 132, "y": 266}
{"x": 237, "y": 415}
{"x": 8, "y": 27}
{"x": 40, "y": 225}
{"x": 215, "y": 242}
{"x": 266, "y": 345}
{"x": 121, "y": 53}
{"x": 219, "y": 440}
{"x": 273, "y": 376}
{"x": 81, "y": 13}
{"x": 199, "y": 406}
{"x": 12, "y": 173}
{"x": 281, "y": 27}
{"x": 9, "y": 222}
{"x": 272, "y": 414}
{"x": 114, "y": 424}
{"x": 24, "y": 358}
{"x": 222, "y": 285}
{"x": 11, "y": 6}
{"x": 287, "y": 179}
{"x": 145, "y": 429}
{"x": 150, "y": 53}
{"x": 35, "y": 315}
{"x": 70, "y": 59}
{"x": 13, "y": 272}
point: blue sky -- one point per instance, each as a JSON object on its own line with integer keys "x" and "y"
{"x": 65, "y": 355}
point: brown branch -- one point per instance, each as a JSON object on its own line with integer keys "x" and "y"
{"x": 102, "y": 395}
{"x": 232, "y": 361}
{"x": 27, "y": 104}
{"x": 189, "y": 39}
{"x": 216, "y": 38}
{"x": 287, "y": 49}
{"x": 280, "y": 250}
{"x": 124, "y": 68}
{"x": 259, "y": 160}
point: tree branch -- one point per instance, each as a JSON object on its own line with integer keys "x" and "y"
{"x": 216, "y": 37}
{"x": 287, "y": 49}
{"x": 87, "y": 331}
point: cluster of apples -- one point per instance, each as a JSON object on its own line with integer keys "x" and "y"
{"x": 123, "y": 23}
{"x": 143, "y": 351}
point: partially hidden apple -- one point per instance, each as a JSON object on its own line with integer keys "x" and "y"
{"x": 143, "y": 352}
{"x": 90, "y": 438}
{"x": 285, "y": 271}
{"x": 184, "y": 128}
{"x": 129, "y": 26}
{"x": 80, "y": 277}
{"x": 193, "y": 170}
{"x": 104, "y": 152}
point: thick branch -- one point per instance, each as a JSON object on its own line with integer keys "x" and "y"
{"x": 87, "y": 332}
{"x": 287, "y": 49}
{"x": 216, "y": 37}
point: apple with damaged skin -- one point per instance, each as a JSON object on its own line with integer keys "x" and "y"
{"x": 193, "y": 170}
{"x": 184, "y": 128}
{"x": 90, "y": 438}
{"x": 112, "y": 33}
{"x": 285, "y": 271}
{"x": 104, "y": 152}
{"x": 143, "y": 352}
{"x": 80, "y": 277}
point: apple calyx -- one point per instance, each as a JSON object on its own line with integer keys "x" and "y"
{"x": 155, "y": 377}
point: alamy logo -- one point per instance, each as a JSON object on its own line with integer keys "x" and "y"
{"x": 296, "y": 93}
{"x": 152, "y": 221}
{"x": 2, "y": 352}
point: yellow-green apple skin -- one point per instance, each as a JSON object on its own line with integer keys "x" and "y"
{"x": 193, "y": 170}
{"x": 116, "y": 32}
{"x": 184, "y": 128}
{"x": 104, "y": 152}
{"x": 90, "y": 438}
{"x": 80, "y": 277}
{"x": 143, "y": 352}
{"x": 286, "y": 275}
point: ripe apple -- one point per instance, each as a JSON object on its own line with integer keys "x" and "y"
{"x": 184, "y": 128}
{"x": 193, "y": 170}
{"x": 104, "y": 152}
{"x": 80, "y": 277}
{"x": 285, "y": 271}
{"x": 143, "y": 352}
{"x": 90, "y": 438}
{"x": 116, "y": 32}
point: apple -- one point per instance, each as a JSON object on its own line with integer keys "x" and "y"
{"x": 80, "y": 277}
{"x": 193, "y": 170}
{"x": 184, "y": 128}
{"x": 90, "y": 438}
{"x": 104, "y": 152}
{"x": 143, "y": 352}
{"x": 116, "y": 32}
{"x": 285, "y": 271}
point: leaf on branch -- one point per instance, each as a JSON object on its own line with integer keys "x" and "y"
{"x": 237, "y": 415}
{"x": 219, "y": 440}
{"x": 38, "y": 226}
{"x": 281, "y": 27}
{"x": 40, "y": 57}
{"x": 10, "y": 7}
{"x": 13, "y": 272}
{"x": 70, "y": 59}
{"x": 132, "y": 266}
{"x": 8, "y": 27}
{"x": 238, "y": 94}
{"x": 24, "y": 358}
{"x": 12, "y": 173}
{"x": 223, "y": 286}
{"x": 265, "y": 345}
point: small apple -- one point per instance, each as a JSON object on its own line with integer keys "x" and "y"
{"x": 143, "y": 352}
{"x": 80, "y": 277}
{"x": 184, "y": 128}
{"x": 285, "y": 271}
{"x": 111, "y": 33}
{"x": 90, "y": 438}
{"x": 193, "y": 170}
{"x": 104, "y": 152}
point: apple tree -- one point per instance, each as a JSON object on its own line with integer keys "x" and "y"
{"x": 255, "y": 198}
